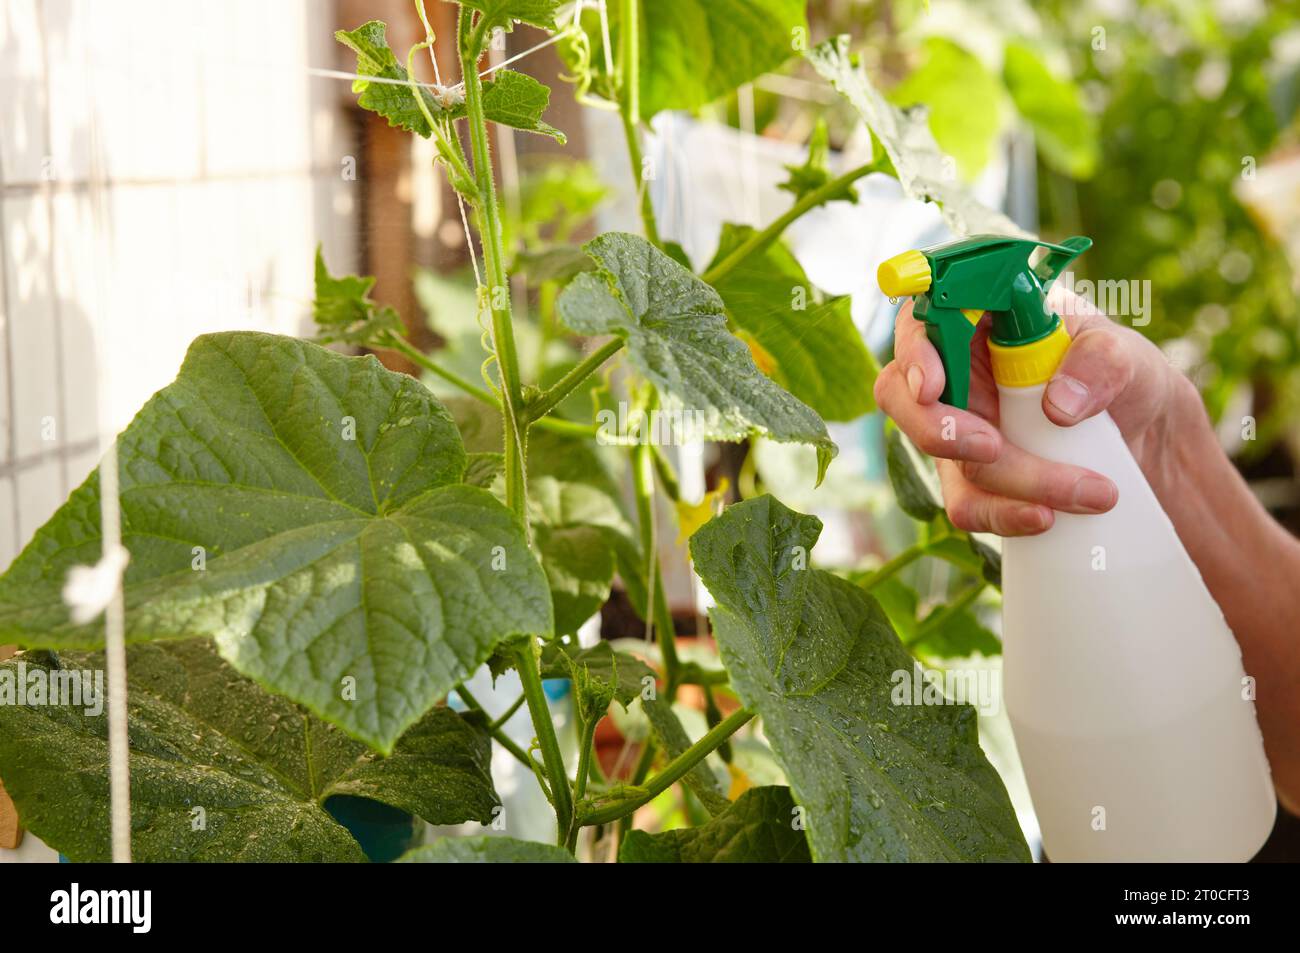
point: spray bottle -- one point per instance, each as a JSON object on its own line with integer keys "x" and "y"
{"x": 1130, "y": 708}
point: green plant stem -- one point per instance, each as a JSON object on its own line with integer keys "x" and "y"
{"x": 667, "y": 478}
{"x": 644, "y": 762}
{"x": 673, "y": 772}
{"x": 571, "y": 381}
{"x": 658, "y": 610}
{"x": 586, "y": 744}
{"x": 895, "y": 565}
{"x": 530, "y": 675}
{"x": 941, "y": 618}
{"x": 692, "y": 674}
{"x": 546, "y": 297}
{"x": 519, "y": 754}
{"x": 630, "y": 108}
{"x": 416, "y": 356}
{"x": 666, "y": 636}
{"x": 509, "y": 713}
{"x": 570, "y": 427}
{"x": 494, "y": 729}
{"x": 468, "y": 698}
{"x": 648, "y": 221}
{"x": 488, "y": 212}
{"x": 761, "y": 240}
{"x": 469, "y": 40}
{"x": 457, "y": 169}
{"x": 586, "y": 740}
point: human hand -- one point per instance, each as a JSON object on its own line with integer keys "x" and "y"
{"x": 990, "y": 485}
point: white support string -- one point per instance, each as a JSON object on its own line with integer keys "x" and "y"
{"x": 556, "y": 38}
{"x": 429, "y": 38}
{"x": 604, "y": 36}
{"x": 91, "y": 590}
{"x": 114, "y": 561}
{"x": 436, "y": 87}
{"x": 469, "y": 241}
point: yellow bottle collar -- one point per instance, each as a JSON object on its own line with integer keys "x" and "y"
{"x": 1024, "y": 365}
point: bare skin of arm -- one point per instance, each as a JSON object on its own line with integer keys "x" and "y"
{"x": 1250, "y": 563}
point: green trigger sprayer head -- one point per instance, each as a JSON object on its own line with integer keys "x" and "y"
{"x": 954, "y": 284}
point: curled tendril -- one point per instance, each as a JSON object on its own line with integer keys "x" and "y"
{"x": 584, "y": 76}
{"x": 487, "y": 343}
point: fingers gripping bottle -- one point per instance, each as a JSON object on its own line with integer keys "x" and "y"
{"x": 1125, "y": 689}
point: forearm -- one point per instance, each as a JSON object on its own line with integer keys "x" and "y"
{"x": 1251, "y": 566}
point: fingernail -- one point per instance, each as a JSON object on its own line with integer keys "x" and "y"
{"x": 978, "y": 448}
{"x": 915, "y": 380}
{"x": 1095, "y": 493}
{"x": 1067, "y": 395}
{"x": 1031, "y": 518}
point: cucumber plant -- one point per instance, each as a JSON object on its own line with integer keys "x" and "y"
{"x": 322, "y": 551}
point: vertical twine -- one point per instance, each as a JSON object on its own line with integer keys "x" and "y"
{"x": 119, "y": 775}
{"x": 113, "y": 558}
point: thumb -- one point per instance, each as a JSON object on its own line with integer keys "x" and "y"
{"x": 1096, "y": 369}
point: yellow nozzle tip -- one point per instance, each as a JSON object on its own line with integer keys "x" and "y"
{"x": 904, "y": 275}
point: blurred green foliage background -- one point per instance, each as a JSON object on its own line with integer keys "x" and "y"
{"x": 1151, "y": 119}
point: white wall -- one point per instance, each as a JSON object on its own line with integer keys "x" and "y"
{"x": 166, "y": 169}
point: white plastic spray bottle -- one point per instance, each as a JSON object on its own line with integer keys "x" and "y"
{"x": 1134, "y": 719}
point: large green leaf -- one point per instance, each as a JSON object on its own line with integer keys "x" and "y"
{"x": 695, "y": 51}
{"x": 503, "y": 13}
{"x": 392, "y": 100}
{"x": 579, "y": 568}
{"x": 898, "y": 600}
{"x": 759, "y": 828}
{"x": 818, "y": 353}
{"x": 815, "y": 657}
{"x": 962, "y": 99}
{"x": 345, "y": 566}
{"x": 344, "y": 311}
{"x": 510, "y": 98}
{"x": 575, "y": 509}
{"x": 259, "y": 767}
{"x": 1064, "y": 130}
{"x": 915, "y": 497}
{"x": 518, "y": 101}
{"x": 486, "y": 849}
{"x": 923, "y": 169}
{"x": 676, "y": 331}
{"x": 581, "y": 527}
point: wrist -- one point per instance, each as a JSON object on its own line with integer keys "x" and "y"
{"x": 1179, "y": 446}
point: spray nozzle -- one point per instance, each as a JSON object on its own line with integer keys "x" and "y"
{"x": 954, "y": 284}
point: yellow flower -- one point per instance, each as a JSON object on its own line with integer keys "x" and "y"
{"x": 762, "y": 357}
{"x": 691, "y": 516}
{"x": 740, "y": 782}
